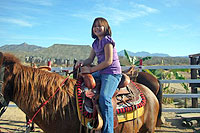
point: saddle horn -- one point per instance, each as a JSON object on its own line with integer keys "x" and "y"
{"x": 89, "y": 80}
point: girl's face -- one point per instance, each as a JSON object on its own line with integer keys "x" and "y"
{"x": 99, "y": 30}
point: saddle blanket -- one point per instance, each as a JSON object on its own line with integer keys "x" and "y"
{"x": 125, "y": 111}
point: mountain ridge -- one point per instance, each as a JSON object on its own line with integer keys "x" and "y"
{"x": 79, "y": 52}
{"x": 20, "y": 47}
{"x": 64, "y": 51}
{"x": 142, "y": 54}
{"x": 25, "y": 47}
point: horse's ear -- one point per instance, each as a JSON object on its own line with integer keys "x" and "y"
{"x": 1, "y": 59}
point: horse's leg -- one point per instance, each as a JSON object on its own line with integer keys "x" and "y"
{"x": 151, "y": 110}
{"x": 138, "y": 122}
{"x": 159, "y": 97}
{"x": 130, "y": 126}
{"x": 154, "y": 85}
{"x": 124, "y": 127}
{"x": 32, "y": 127}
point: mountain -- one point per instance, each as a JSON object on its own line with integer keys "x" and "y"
{"x": 71, "y": 52}
{"x": 66, "y": 51}
{"x": 62, "y": 51}
{"x": 143, "y": 54}
{"x": 21, "y": 47}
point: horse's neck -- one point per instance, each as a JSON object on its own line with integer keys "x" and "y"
{"x": 30, "y": 96}
{"x": 29, "y": 93}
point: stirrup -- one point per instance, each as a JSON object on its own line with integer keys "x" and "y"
{"x": 89, "y": 126}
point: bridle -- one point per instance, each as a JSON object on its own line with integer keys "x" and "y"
{"x": 3, "y": 102}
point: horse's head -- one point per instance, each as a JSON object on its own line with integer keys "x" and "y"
{"x": 6, "y": 63}
{"x": 3, "y": 103}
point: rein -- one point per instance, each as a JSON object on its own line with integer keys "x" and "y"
{"x": 30, "y": 120}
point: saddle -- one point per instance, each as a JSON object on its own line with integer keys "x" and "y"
{"x": 131, "y": 72}
{"x": 126, "y": 99}
{"x": 45, "y": 68}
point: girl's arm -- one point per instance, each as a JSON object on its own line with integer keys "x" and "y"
{"x": 87, "y": 61}
{"x": 90, "y": 59}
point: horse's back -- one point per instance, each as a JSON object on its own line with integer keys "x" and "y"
{"x": 148, "y": 80}
{"x": 147, "y": 122}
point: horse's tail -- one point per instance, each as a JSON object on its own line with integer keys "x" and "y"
{"x": 159, "y": 97}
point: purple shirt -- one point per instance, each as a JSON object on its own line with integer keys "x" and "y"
{"x": 98, "y": 48}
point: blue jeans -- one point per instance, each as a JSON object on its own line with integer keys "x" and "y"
{"x": 109, "y": 83}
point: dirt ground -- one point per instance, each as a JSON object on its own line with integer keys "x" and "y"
{"x": 13, "y": 120}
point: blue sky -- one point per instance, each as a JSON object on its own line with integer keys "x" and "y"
{"x": 156, "y": 26}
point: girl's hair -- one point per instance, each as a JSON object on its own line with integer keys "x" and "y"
{"x": 102, "y": 22}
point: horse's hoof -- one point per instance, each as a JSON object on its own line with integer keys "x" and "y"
{"x": 160, "y": 121}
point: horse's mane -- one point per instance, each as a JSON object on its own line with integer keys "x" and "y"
{"x": 32, "y": 87}
{"x": 10, "y": 59}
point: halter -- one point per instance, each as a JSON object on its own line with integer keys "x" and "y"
{"x": 3, "y": 102}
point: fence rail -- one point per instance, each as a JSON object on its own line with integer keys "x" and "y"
{"x": 58, "y": 69}
{"x": 182, "y": 95}
{"x": 181, "y": 81}
{"x": 170, "y": 67}
{"x": 180, "y": 110}
{"x": 166, "y": 81}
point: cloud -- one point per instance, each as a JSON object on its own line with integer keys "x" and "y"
{"x": 144, "y": 8}
{"x": 41, "y": 38}
{"x": 171, "y": 3}
{"x": 16, "y": 21}
{"x": 180, "y": 27}
{"x": 115, "y": 14}
{"x": 39, "y": 2}
{"x": 161, "y": 29}
{"x": 172, "y": 28}
{"x": 168, "y": 28}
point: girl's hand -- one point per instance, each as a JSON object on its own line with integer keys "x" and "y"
{"x": 79, "y": 64}
{"x": 89, "y": 93}
{"x": 86, "y": 69}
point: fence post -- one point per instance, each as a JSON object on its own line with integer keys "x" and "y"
{"x": 75, "y": 76}
{"x": 49, "y": 63}
{"x": 140, "y": 65}
{"x": 193, "y": 87}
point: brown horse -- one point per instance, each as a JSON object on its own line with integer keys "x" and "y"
{"x": 151, "y": 82}
{"x": 29, "y": 88}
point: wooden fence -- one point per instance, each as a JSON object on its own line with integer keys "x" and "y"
{"x": 193, "y": 96}
{"x": 191, "y": 81}
{"x": 194, "y": 81}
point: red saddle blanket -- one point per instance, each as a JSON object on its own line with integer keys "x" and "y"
{"x": 129, "y": 99}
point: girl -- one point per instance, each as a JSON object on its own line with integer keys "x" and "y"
{"x": 108, "y": 69}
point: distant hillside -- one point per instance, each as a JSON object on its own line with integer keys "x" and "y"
{"x": 21, "y": 47}
{"x": 64, "y": 51}
{"x": 143, "y": 54}
{"x": 67, "y": 51}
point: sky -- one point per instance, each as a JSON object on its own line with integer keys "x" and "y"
{"x": 156, "y": 26}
